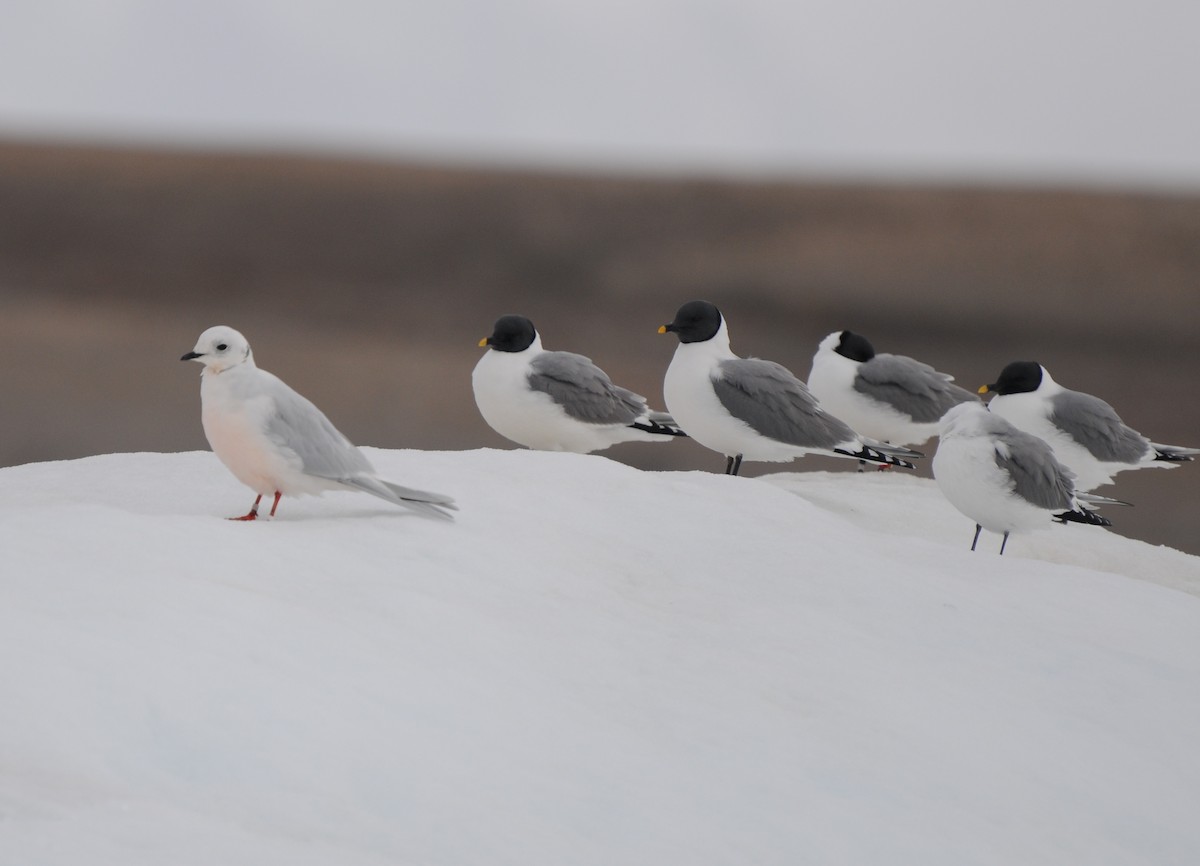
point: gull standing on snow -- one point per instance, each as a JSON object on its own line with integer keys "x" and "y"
{"x": 1086, "y": 433}
{"x": 275, "y": 441}
{"x": 746, "y": 408}
{"x": 556, "y": 401}
{"x": 1003, "y": 478}
{"x": 892, "y": 398}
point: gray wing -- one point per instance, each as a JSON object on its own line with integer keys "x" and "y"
{"x": 300, "y": 426}
{"x": 1096, "y": 426}
{"x": 776, "y": 404}
{"x": 583, "y": 390}
{"x": 1037, "y": 477}
{"x": 909, "y": 386}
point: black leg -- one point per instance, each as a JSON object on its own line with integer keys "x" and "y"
{"x": 737, "y": 465}
{"x": 729, "y": 465}
{"x": 975, "y": 540}
{"x": 1002, "y": 543}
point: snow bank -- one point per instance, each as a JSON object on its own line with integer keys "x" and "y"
{"x": 594, "y": 665}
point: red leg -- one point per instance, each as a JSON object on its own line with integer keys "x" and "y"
{"x": 253, "y": 515}
{"x": 275, "y": 504}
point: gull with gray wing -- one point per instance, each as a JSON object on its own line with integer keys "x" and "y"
{"x": 892, "y": 398}
{"x": 1003, "y": 478}
{"x": 1086, "y": 433}
{"x": 746, "y": 408}
{"x": 557, "y": 401}
{"x": 275, "y": 441}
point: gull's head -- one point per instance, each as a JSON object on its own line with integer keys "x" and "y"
{"x": 220, "y": 348}
{"x": 512, "y": 334}
{"x": 966, "y": 419}
{"x": 696, "y": 322}
{"x": 850, "y": 345}
{"x": 1019, "y": 377}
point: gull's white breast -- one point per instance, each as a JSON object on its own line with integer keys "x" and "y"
{"x": 696, "y": 408}
{"x": 966, "y": 471}
{"x": 531, "y": 418}
{"x": 235, "y": 416}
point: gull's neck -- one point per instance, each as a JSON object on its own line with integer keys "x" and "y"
{"x": 716, "y": 347}
{"x": 246, "y": 363}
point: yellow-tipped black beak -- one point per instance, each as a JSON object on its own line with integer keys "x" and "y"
{"x": 483, "y": 342}
{"x": 983, "y": 389}
{"x": 662, "y": 329}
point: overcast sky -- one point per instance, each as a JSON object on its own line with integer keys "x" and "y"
{"x": 1027, "y": 89}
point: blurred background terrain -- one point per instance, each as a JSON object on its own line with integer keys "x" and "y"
{"x": 367, "y": 286}
{"x": 363, "y": 188}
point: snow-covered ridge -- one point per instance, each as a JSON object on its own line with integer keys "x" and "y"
{"x": 592, "y": 665}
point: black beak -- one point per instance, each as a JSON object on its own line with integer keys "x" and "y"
{"x": 191, "y": 356}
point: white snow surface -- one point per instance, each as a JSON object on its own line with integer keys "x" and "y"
{"x": 593, "y": 665}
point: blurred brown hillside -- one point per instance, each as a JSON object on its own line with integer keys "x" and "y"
{"x": 367, "y": 285}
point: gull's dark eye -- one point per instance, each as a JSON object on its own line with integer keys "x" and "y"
{"x": 221, "y": 347}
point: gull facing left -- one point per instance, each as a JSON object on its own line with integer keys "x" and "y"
{"x": 275, "y": 441}
{"x": 747, "y": 408}
{"x": 1086, "y": 433}
{"x": 557, "y": 401}
{"x": 1004, "y": 479}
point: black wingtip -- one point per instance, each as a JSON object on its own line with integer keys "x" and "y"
{"x": 876, "y": 457}
{"x": 1083, "y": 515}
{"x": 656, "y": 428}
{"x": 1172, "y": 457}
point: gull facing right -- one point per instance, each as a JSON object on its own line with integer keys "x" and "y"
{"x": 746, "y": 408}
